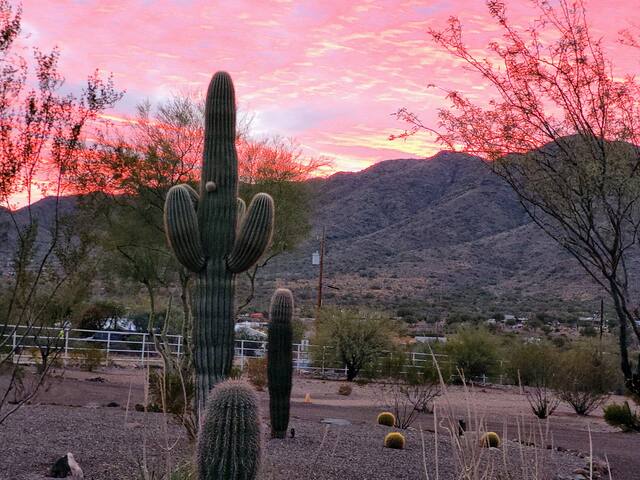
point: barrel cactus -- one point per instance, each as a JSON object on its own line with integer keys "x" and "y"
{"x": 394, "y": 440}
{"x": 229, "y": 440}
{"x": 211, "y": 235}
{"x": 490, "y": 439}
{"x": 387, "y": 419}
{"x": 279, "y": 361}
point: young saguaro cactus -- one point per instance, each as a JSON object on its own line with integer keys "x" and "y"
{"x": 279, "y": 361}
{"x": 211, "y": 235}
{"x": 229, "y": 440}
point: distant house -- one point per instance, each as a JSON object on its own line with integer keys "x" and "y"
{"x": 430, "y": 339}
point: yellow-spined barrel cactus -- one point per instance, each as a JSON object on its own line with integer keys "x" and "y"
{"x": 490, "y": 439}
{"x": 211, "y": 235}
{"x": 394, "y": 440}
{"x": 387, "y": 419}
{"x": 280, "y": 361}
{"x": 229, "y": 439}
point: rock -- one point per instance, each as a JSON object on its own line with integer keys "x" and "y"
{"x": 95, "y": 379}
{"x": 113, "y": 404}
{"x": 581, "y": 471}
{"x": 76, "y": 471}
{"x": 336, "y": 421}
{"x": 60, "y": 468}
{"x": 67, "y": 467}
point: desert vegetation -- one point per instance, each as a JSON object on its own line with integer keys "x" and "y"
{"x": 154, "y": 323}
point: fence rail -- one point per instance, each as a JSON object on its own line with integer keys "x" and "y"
{"x": 122, "y": 347}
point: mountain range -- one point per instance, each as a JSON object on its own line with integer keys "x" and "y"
{"x": 435, "y": 235}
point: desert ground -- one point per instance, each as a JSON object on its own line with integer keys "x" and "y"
{"x": 72, "y": 414}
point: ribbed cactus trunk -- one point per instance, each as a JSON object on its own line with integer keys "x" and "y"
{"x": 229, "y": 441}
{"x": 211, "y": 236}
{"x": 280, "y": 361}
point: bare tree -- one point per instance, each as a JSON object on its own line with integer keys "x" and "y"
{"x": 563, "y": 131}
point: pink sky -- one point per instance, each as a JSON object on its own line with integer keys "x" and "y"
{"x": 328, "y": 73}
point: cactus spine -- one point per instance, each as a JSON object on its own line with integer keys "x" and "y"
{"x": 229, "y": 440}
{"x": 279, "y": 358}
{"x": 212, "y": 236}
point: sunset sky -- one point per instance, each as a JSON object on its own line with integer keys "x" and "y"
{"x": 329, "y": 73}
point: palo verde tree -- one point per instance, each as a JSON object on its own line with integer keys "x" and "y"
{"x": 563, "y": 131}
{"x": 352, "y": 339}
{"x": 41, "y": 139}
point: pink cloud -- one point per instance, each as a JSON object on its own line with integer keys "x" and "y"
{"x": 329, "y": 73}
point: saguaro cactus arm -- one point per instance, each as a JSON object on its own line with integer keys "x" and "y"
{"x": 181, "y": 225}
{"x": 254, "y": 235}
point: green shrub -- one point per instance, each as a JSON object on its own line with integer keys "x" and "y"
{"x": 89, "y": 359}
{"x": 532, "y": 364}
{"x": 351, "y": 338}
{"x": 387, "y": 419}
{"x": 394, "y": 440}
{"x": 586, "y": 376}
{"x": 257, "y": 372}
{"x": 474, "y": 351}
{"x": 621, "y": 416}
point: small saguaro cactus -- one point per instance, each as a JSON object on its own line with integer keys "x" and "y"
{"x": 387, "y": 419}
{"x": 212, "y": 236}
{"x": 490, "y": 439}
{"x": 229, "y": 440}
{"x": 279, "y": 361}
{"x": 394, "y": 440}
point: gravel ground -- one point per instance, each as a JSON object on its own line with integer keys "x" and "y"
{"x": 71, "y": 416}
{"x": 108, "y": 450}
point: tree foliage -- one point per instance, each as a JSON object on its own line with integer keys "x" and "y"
{"x": 562, "y": 131}
{"x": 352, "y": 338}
{"x": 42, "y": 137}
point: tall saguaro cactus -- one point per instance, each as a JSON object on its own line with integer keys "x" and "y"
{"x": 279, "y": 361}
{"x": 211, "y": 235}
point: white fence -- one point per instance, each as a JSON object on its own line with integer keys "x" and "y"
{"x": 123, "y": 347}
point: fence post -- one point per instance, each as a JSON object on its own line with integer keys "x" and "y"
{"x": 241, "y": 355}
{"x": 298, "y": 359}
{"x": 179, "y": 347}
{"x": 108, "y": 343}
{"x": 14, "y": 342}
{"x": 324, "y": 349}
{"x": 144, "y": 337}
{"x": 66, "y": 346}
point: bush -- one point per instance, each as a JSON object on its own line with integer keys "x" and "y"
{"x": 257, "y": 372}
{"x": 353, "y": 339}
{"x": 90, "y": 358}
{"x": 345, "y": 389}
{"x": 175, "y": 391}
{"x": 394, "y": 440}
{"x": 542, "y": 401}
{"x": 490, "y": 440}
{"x": 586, "y": 377}
{"x": 387, "y": 419}
{"x": 473, "y": 351}
{"x": 621, "y": 416}
{"x": 532, "y": 364}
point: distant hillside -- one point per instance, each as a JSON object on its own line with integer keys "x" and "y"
{"x": 437, "y": 235}
{"x": 419, "y": 232}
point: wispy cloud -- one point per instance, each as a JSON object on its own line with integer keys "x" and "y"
{"x": 330, "y": 73}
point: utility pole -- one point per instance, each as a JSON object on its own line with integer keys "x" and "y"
{"x": 321, "y": 269}
{"x": 601, "y": 317}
